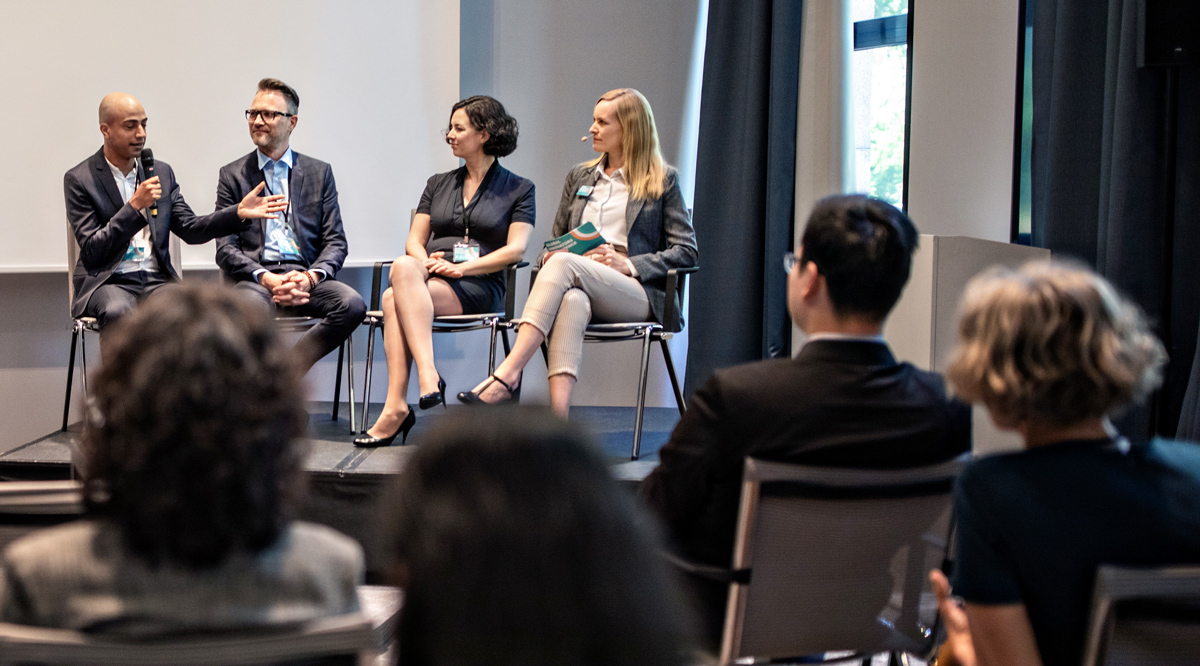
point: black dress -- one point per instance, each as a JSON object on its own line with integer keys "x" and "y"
{"x": 502, "y": 198}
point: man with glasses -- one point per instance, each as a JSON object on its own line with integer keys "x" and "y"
{"x": 122, "y": 217}
{"x": 843, "y": 401}
{"x": 291, "y": 260}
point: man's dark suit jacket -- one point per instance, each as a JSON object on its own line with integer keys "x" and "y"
{"x": 838, "y": 403}
{"x": 315, "y": 217}
{"x": 103, "y": 225}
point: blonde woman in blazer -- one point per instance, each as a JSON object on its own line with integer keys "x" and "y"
{"x": 633, "y": 198}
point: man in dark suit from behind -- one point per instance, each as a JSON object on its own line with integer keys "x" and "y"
{"x": 292, "y": 260}
{"x": 842, "y": 401}
{"x": 122, "y": 217}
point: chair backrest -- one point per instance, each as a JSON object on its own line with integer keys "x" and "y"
{"x": 1144, "y": 617}
{"x": 175, "y": 248}
{"x": 336, "y": 640}
{"x": 27, "y": 506}
{"x": 830, "y": 559}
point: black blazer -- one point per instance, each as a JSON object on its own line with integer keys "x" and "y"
{"x": 315, "y": 215}
{"x": 103, "y": 225}
{"x": 837, "y": 404}
{"x": 661, "y": 236}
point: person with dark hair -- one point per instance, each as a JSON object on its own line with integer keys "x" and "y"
{"x": 1052, "y": 351}
{"x": 843, "y": 401}
{"x": 291, "y": 260}
{"x": 470, "y": 224}
{"x": 192, "y": 475}
{"x": 632, "y": 198}
{"x": 515, "y": 546}
{"x": 122, "y": 217}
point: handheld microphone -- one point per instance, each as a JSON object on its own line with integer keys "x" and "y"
{"x": 148, "y": 167}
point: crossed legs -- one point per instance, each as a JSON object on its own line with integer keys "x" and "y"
{"x": 569, "y": 292}
{"x": 409, "y": 306}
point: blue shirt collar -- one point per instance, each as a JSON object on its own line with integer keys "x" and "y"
{"x": 286, "y": 159}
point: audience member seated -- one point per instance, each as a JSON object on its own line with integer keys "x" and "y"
{"x": 514, "y": 545}
{"x": 842, "y": 401}
{"x": 192, "y": 474}
{"x": 1052, "y": 351}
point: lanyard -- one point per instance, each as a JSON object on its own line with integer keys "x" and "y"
{"x": 469, "y": 207}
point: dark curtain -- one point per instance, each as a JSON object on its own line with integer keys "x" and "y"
{"x": 1098, "y": 174}
{"x": 745, "y": 185}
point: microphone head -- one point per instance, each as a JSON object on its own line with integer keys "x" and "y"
{"x": 148, "y": 160}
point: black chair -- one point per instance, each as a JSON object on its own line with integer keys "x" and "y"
{"x": 80, "y": 326}
{"x": 496, "y": 322}
{"x": 831, "y": 564}
{"x": 647, "y": 332}
{"x": 1144, "y": 617}
{"x": 297, "y": 324}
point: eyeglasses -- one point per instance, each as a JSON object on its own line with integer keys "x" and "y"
{"x": 267, "y": 116}
{"x": 789, "y": 262}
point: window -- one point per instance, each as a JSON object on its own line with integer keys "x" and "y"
{"x": 879, "y": 94}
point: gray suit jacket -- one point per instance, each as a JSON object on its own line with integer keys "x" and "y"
{"x": 661, "y": 236}
{"x": 81, "y": 576}
{"x": 103, "y": 225}
{"x": 315, "y": 216}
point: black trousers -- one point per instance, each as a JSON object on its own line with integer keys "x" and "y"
{"x": 119, "y": 294}
{"x": 339, "y": 306}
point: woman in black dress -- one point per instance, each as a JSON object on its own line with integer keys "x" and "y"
{"x": 470, "y": 224}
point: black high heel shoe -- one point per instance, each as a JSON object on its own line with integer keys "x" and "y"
{"x": 472, "y": 397}
{"x": 432, "y": 399}
{"x": 368, "y": 441}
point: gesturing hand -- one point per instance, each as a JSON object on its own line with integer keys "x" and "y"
{"x": 958, "y": 648}
{"x": 147, "y": 193}
{"x": 255, "y": 206}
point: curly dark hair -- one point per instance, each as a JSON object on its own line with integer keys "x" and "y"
{"x": 189, "y": 441}
{"x": 516, "y": 546}
{"x": 488, "y": 115}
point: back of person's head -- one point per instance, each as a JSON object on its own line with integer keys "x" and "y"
{"x": 863, "y": 248}
{"x": 516, "y": 546}
{"x": 1052, "y": 342}
{"x": 189, "y": 440}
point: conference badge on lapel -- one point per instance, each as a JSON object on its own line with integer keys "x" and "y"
{"x": 583, "y": 191}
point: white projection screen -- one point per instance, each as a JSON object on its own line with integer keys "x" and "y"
{"x": 376, "y": 80}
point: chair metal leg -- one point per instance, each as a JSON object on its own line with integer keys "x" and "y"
{"x": 350, "y": 377}
{"x": 70, "y": 375}
{"x": 492, "y": 347}
{"x": 666, "y": 350}
{"x": 83, "y": 361}
{"x": 504, "y": 339}
{"x": 367, "y": 384}
{"x": 337, "y": 382}
{"x": 641, "y": 400}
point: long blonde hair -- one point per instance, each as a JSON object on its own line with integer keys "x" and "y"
{"x": 645, "y": 171}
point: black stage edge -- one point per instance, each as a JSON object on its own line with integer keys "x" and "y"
{"x": 347, "y": 484}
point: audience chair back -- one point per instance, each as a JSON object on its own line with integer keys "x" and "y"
{"x": 836, "y": 560}
{"x": 26, "y": 506}
{"x": 343, "y": 641}
{"x": 1144, "y": 617}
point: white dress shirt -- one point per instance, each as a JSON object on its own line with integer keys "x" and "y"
{"x": 139, "y": 256}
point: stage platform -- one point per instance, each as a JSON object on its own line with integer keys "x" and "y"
{"x": 347, "y": 484}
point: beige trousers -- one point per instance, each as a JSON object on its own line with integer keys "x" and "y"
{"x": 571, "y": 291}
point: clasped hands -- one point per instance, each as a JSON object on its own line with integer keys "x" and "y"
{"x": 608, "y": 255}
{"x": 289, "y": 289}
{"x": 436, "y": 264}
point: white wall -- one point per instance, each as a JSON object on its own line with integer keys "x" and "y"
{"x": 963, "y": 117}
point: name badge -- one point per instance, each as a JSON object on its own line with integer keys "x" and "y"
{"x": 584, "y": 190}
{"x": 465, "y": 251}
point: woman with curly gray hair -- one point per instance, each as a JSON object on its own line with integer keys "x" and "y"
{"x": 192, "y": 473}
{"x": 1053, "y": 351}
